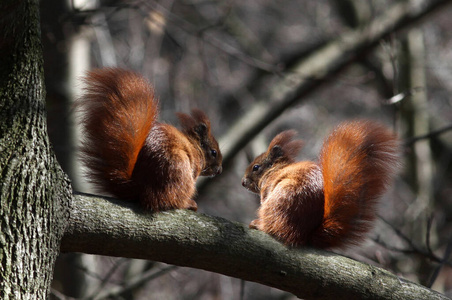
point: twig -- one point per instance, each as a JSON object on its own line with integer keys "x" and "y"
{"x": 444, "y": 261}
{"x": 319, "y": 66}
{"x": 58, "y": 295}
{"x": 429, "y": 228}
{"x": 212, "y": 40}
{"x": 429, "y": 135}
{"x": 413, "y": 248}
{"x": 107, "y": 277}
{"x": 136, "y": 283}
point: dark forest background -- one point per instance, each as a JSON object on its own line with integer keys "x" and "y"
{"x": 235, "y": 59}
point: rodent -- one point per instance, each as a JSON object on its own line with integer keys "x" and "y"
{"x": 130, "y": 155}
{"x": 329, "y": 204}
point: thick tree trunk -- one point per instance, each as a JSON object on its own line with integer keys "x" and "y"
{"x": 34, "y": 192}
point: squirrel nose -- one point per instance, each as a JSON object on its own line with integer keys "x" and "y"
{"x": 244, "y": 182}
{"x": 219, "y": 170}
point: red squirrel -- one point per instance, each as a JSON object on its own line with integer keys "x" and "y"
{"x": 132, "y": 156}
{"x": 330, "y": 204}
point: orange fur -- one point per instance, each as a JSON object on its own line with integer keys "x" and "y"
{"x": 358, "y": 161}
{"x": 130, "y": 155}
{"x": 330, "y": 204}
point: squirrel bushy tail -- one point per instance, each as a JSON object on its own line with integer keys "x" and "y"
{"x": 119, "y": 111}
{"x": 357, "y": 161}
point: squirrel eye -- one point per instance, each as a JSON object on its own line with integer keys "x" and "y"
{"x": 213, "y": 152}
{"x": 256, "y": 167}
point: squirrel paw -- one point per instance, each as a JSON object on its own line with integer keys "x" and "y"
{"x": 192, "y": 206}
{"x": 254, "y": 224}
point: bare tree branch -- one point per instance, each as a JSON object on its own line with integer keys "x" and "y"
{"x": 314, "y": 70}
{"x": 133, "y": 284}
{"x": 115, "y": 228}
{"x": 409, "y": 142}
{"x": 444, "y": 260}
{"x": 412, "y": 247}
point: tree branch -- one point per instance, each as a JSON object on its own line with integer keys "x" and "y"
{"x": 315, "y": 69}
{"x": 116, "y": 228}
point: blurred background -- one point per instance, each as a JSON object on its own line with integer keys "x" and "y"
{"x": 257, "y": 68}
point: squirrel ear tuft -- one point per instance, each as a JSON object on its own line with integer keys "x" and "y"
{"x": 186, "y": 121}
{"x": 292, "y": 148}
{"x": 286, "y": 145}
{"x": 201, "y": 130}
{"x": 200, "y": 117}
{"x": 282, "y": 138}
{"x": 197, "y": 124}
{"x": 191, "y": 122}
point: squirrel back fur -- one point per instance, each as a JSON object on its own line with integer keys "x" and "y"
{"x": 330, "y": 204}
{"x": 129, "y": 155}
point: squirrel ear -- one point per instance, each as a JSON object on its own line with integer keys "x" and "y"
{"x": 292, "y": 148}
{"x": 201, "y": 130}
{"x": 197, "y": 123}
{"x": 194, "y": 125}
{"x": 200, "y": 117}
{"x": 286, "y": 145}
{"x": 186, "y": 121}
{"x": 276, "y": 152}
{"x": 282, "y": 138}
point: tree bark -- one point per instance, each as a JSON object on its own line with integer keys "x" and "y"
{"x": 35, "y": 201}
{"x": 185, "y": 238}
{"x": 34, "y": 192}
